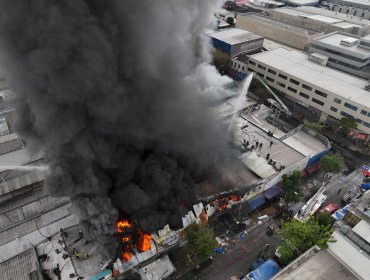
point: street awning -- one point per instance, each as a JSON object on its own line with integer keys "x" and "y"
{"x": 361, "y": 136}
{"x": 264, "y": 271}
{"x": 272, "y": 192}
{"x": 256, "y": 202}
{"x": 339, "y": 214}
{"x": 365, "y": 170}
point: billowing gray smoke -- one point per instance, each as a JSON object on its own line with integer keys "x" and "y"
{"x": 103, "y": 86}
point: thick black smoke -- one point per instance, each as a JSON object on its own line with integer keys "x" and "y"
{"x": 103, "y": 86}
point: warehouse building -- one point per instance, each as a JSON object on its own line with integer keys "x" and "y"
{"x": 230, "y": 42}
{"x": 289, "y": 34}
{"x": 347, "y": 53}
{"x": 324, "y": 21}
{"x": 326, "y": 92}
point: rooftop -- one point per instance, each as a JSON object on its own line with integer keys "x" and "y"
{"x": 318, "y": 11}
{"x": 297, "y": 64}
{"x": 335, "y": 39}
{"x": 315, "y": 264}
{"x": 257, "y": 130}
{"x": 349, "y": 254}
{"x": 234, "y": 36}
{"x": 276, "y": 22}
{"x": 24, "y": 266}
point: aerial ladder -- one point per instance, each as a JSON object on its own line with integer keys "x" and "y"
{"x": 283, "y": 108}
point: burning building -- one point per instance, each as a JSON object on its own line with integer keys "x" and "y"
{"x": 108, "y": 94}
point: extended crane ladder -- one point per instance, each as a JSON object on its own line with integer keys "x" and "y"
{"x": 286, "y": 109}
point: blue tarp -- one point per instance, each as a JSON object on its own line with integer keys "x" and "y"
{"x": 272, "y": 192}
{"x": 257, "y": 263}
{"x": 339, "y": 214}
{"x": 257, "y": 202}
{"x": 265, "y": 271}
{"x": 365, "y": 186}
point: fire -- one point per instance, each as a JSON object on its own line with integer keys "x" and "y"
{"x": 126, "y": 256}
{"x": 234, "y": 197}
{"x": 125, "y": 239}
{"x": 123, "y": 224}
{"x": 145, "y": 242}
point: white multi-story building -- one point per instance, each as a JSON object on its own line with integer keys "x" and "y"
{"x": 345, "y": 52}
{"x": 326, "y": 91}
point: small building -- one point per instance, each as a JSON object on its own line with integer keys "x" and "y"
{"x": 230, "y": 42}
{"x": 348, "y": 53}
{"x": 289, "y": 34}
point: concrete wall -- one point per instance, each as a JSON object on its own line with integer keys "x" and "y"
{"x": 295, "y": 39}
{"x": 299, "y": 165}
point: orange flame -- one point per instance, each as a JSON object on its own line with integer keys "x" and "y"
{"x": 125, "y": 239}
{"x": 126, "y": 256}
{"x": 123, "y": 224}
{"x": 145, "y": 242}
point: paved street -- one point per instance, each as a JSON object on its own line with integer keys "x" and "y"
{"x": 338, "y": 187}
{"x": 237, "y": 259}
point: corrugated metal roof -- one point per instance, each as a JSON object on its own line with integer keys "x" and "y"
{"x": 22, "y": 181}
{"x": 21, "y": 266}
{"x": 321, "y": 265}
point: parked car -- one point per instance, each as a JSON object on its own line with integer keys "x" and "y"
{"x": 351, "y": 195}
{"x": 331, "y": 208}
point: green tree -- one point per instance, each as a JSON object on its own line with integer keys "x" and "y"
{"x": 298, "y": 236}
{"x": 325, "y": 218}
{"x": 348, "y": 122}
{"x": 201, "y": 242}
{"x": 331, "y": 163}
{"x": 314, "y": 125}
{"x": 292, "y": 191}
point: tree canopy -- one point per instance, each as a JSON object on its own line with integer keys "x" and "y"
{"x": 292, "y": 191}
{"x": 299, "y": 236}
{"x": 314, "y": 125}
{"x": 348, "y": 122}
{"x": 331, "y": 163}
{"x": 201, "y": 241}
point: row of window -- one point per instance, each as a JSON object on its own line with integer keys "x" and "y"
{"x": 339, "y": 62}
{"x": 341, "y": 54}
{"x": 304, "y": 95}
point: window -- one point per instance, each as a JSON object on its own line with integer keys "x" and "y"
{"x": 242, "y": 68}
{"x": 251, "y": 62}
{"x": 271, "y": 71}
{"x": 344, "y": 114}
{"x": 292, "y": 89}
{"x": 306, "y": 87}
{"x": 352, "y": 107}
{"x": 304, "y": 95}
{"x": 250, "y": 69}
{"x": 338, "y": 101}
{"x": 359, "y": 121}
{"x": 363, "y": 112}
{"x": 283, "y": 76}
{"x": 269, "y": 79}
{"x": 318, "y": 101}
{"x": 333, "y": 109}
{"x": 261, "y": 67}
{"x": 341, "y": 54}
{"x": 294, "y": 82}
{"x": 366, "y": 124}
{"x": 238, "y": 66}
{"x": 321, "y": 93}
{"x": 280, "y": 84}
{"x": 235, "y": 64}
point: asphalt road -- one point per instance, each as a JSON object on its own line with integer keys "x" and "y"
{"x": 238, "y": 259}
